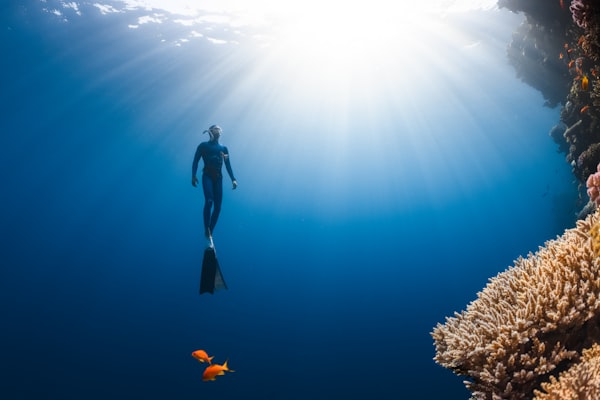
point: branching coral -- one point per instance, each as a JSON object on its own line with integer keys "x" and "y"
{"x": 595, "y": 234}
{"x": 582, "y": 381}
{"x": 531, "y": 321}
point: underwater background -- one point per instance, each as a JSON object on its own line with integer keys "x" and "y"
{"x": 372, "y": 203}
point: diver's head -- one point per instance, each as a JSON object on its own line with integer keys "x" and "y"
{"x": 215, "y": 132}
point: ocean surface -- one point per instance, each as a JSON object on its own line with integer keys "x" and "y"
{"x": 378, "y": 192}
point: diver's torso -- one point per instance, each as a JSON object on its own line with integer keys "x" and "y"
{"x": 212, "y": 155}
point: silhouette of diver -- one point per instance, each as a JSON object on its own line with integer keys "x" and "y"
{"x": 213, "y": 154}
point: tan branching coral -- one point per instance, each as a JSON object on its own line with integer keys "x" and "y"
{"x": 595, "y": 234}
{"x": 530, "y": 322}
{"x": 582, "y": 381}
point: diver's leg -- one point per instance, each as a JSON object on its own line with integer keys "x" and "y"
{"x": 207, "y": 187}
{"x": 218, "y": 199}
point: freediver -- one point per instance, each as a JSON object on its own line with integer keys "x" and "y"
{"x": 213, "y": 154}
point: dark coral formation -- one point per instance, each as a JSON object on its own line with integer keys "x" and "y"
{"x": 557, "y": 51}
{"x": 535, "y": 47}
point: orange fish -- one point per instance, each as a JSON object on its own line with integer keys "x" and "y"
{"x": 212, "y": 371}
{"x": 561, "y": 56}
{"x": 562, "y": 4}
{"x": 585, "y": 83}
{"x": 570, "y": 64}
{"x": 584, "y": 109}
{"x": 202, "y": 356}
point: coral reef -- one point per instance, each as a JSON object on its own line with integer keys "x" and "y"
{"x": 531, "y": 322}
{"x": 534, "y": 330}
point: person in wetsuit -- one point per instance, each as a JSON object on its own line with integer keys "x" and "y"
{"x": 213, "y": 154}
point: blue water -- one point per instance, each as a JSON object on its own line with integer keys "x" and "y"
{"x": 349, "y": 238}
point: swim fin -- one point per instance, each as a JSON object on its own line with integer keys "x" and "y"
{"x": 211, "y": 278}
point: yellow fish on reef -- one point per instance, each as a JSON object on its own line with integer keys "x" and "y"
{"x": 212, "y": 371}
{"x": 585, "y": 83}
{"x": 202, "y": 356}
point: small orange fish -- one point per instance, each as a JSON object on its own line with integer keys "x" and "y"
{"x": 202, "y": 356}
{"x": 570, "y": 64}
{"x": 584, "y": 109}
{"x": 581, "y": 40}
{"x": 212, "y": 371}
{"x": 562, "y": 4}
{"x": 561, "y": 56}
{"x": 585, "y": 83}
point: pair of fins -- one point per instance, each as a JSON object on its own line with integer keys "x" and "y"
{"x": 211, "y": 278}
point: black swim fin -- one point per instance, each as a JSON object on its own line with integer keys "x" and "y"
{"x": 211, "y": 278}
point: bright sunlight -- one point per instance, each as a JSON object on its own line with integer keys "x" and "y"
{"x": 336, "y": 50}
{"x": 330, "y": 42}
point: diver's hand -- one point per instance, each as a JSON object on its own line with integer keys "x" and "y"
{"x": 194, "y": 181}
{"x": 234, "y": 184}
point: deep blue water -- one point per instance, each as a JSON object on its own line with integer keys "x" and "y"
{"x": 341, "y": 253}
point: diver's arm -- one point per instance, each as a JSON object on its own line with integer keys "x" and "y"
{"x": 195, "y": 165}
{"x": 228, "y": 167}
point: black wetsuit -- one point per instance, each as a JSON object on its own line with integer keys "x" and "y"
{"x": 213, "y": 154}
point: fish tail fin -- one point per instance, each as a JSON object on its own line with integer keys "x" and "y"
{"x": 226, "y": 368}
{"x": 210, "y": 359}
